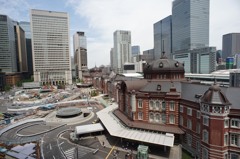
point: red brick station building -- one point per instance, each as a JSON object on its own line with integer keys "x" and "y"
{"x": 204, "y": 119}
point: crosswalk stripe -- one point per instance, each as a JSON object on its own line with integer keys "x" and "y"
{"x": 70, "y": 153}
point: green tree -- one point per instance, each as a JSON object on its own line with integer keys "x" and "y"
{"x": 7, "y": 87}
{"x": 94, "y": 93}
{"x": 19, "y": 84}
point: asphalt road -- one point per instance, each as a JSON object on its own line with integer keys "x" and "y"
{"x": 50, "y": 148}
{"x": 11, "y": 137}
{"x": 54, "y": 147}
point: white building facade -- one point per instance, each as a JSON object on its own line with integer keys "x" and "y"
{"x": 50, "y": 47}
{"x": 122, "y": 49}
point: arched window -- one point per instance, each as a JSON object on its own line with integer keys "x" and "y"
{"x": 157, "y": 118}
{"x": 151, "y": 117}
{"x": 157, "y": 105}
{"x": 151, "y": 105}
{"x": 163, "y": 105}
{"x": 163, "y": 118}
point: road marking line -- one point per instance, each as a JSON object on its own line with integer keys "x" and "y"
{"x": 54, "y": 157}
{"x": 110, "y": 152}
{"x": 50, "y": 146}
{"x": 61, "y": 143}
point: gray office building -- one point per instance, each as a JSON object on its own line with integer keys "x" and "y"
{"x": 135, "y": 50}
{"x": 230, "y": 45}
{"x": 201, "y": 60}
{"x": 8, "y": 57}
{"x": 111, "y": 58}
{"x": 27, "y": 29}
{"x": 163, "y": 37}
{"x": 190, "y": 24}
{"x": 149, "y": 55}
{"x": 80, "y": 53}
{"x": 234, "y": 80}
{"x": 21, "y": 50}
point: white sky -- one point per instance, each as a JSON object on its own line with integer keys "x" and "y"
{"x": 100, "y": 18}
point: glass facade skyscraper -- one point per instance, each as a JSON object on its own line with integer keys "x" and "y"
{"x": 135, "y": 50}
{"x": 190, "y": 24}
{"x": 8, "y": 56}
{"x": 163, "y": 37}
{"x": 27, "y": 29}
{"x": 201, "y": 60}
{"x": 230, "y": 45}
{"x": 28, "y": 35}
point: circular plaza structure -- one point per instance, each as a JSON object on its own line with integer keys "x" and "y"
{"x": 68, "y": 112}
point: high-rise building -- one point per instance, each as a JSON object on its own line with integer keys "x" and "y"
{"x": 50, "y": 47}
{"x": 111, "y": 58}
{"x": 27, "y": 29}
{"x": 21, "y": 49}
{"x": 201, "y": 60}
{"x": 230, "y": 45}
{"x": 163, "y": 37}
{"x": 122, "y": 49}
{"x": 149, "y": 55}
{"x": 190, "y": 24}
{"x": 80, "y": 53}
{"x": 8, "y": 57}
{"x": 237, "y": 57}
{"x": 219, "y": 56}
{"x": 234, "y": 80}
{"x": 135, "y": 50}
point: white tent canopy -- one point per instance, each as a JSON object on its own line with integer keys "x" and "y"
{"x": 115, "y": 128}
{"x": 84, "y": 129}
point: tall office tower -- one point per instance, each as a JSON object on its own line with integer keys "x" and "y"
{"x": 190, "y": 24}
{"x": 230, "y": 45}
{"x": 80, "y": 53}
{"x": 219, "y": 56}
{"x": 135, "y": 50}
{"x": 237, "y": 58}
{"x": 111, "y": 58}
{"x": 163, "y": 37}
{"x": 8, "y": 57}
{"x": 50, "y": 47}
{"x": 122, "y": 49}
{"x": 149, "y": 55}
{"x": 21, "y": 49}
{"x": 27, "y": 29}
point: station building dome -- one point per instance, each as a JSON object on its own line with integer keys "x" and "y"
{"x": 164, "y": 69}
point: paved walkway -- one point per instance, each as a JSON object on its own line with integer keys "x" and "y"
{"x": 175, "y": 151}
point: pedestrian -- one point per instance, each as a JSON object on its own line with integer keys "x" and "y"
{"x": 103, "y": 144}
